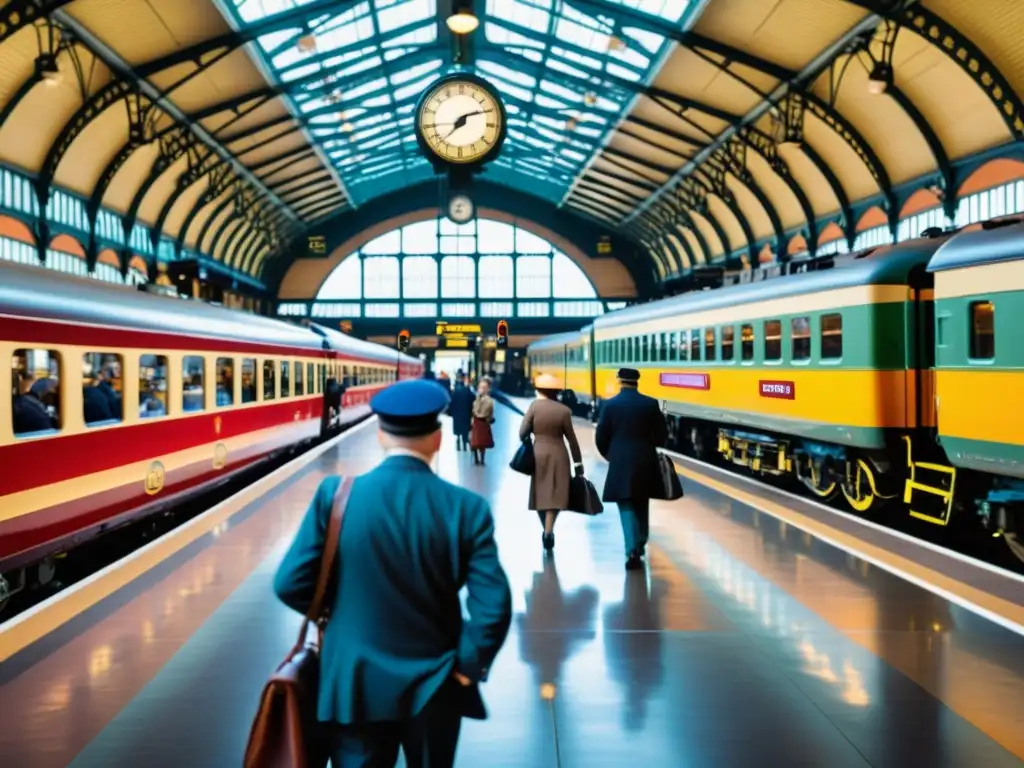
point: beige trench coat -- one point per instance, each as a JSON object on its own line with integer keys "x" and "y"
{"x": 550, "y": 423}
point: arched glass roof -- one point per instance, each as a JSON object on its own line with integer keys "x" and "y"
{"x": 356, "y": 76}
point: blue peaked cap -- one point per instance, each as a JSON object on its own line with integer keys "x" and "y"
{"x": 410, "y": 408}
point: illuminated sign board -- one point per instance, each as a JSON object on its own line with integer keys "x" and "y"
{"x": 444, "y": 329}
{"x": 317, "y": 244}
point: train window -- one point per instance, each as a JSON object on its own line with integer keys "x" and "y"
{"x": 728, "y": 336}
{"x": 800, "y": 333}
{"x": 710, "y": 340}
{"x": 747, "y": 342}
{"x": 772, "y": 339}
{"x": 312, "y": 381}
{"x": 192, "y": 374}
{"x": 983, "y": 338}
{"x": 152, "y": 386}
{"x": 248, "y": 379}
{"x": 102, "y": 388}
{"x": 831, "y": 336}
{"x": 673, "y": 346}
{"x": 225, "y": 382}
{"x": 286, "y": 382}
{"x": 684, "y": 345}
{"x": 299, "y": 383}
{"x": 35, "y": 397}
{"x": 694, "y": 345}
{"x": 269, "y": 380}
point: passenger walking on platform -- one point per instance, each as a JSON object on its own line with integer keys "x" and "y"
{"x": 630, "y": 430}
{"x": 483, "y": 416}
{"x": 550, "y": 423}
{"x": 399, "y": 664}
{"x": 461, "y": 411}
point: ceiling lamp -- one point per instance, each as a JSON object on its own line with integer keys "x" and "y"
{"x": 590, "y": 98}
{"x": 334, "y": 97}
{"x": 346, "y": 127}
{"x": 462, "y": 21}
{"x": 306, "y": 43}
{"x": 880, "y": 79}
{"x": 48, "y": 70}
{"x": 615, "y": 44}
{"x": 571, "y": 123}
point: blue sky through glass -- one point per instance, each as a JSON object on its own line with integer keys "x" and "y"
{"x": 567, "y": 72}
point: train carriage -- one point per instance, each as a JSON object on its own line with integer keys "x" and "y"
{"x": 123, "y": 404}
{"x": 566, "y": 356}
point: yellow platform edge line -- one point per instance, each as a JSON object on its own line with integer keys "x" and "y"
{"x": 995, "y": 609}
{"x": 42, "y": 619}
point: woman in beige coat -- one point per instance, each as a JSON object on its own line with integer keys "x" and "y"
{"x": 550, "y": 423}
{"x": 481, "y": 438}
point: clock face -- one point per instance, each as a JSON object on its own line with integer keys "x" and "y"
{"x": 460, "y": 121}
{"x": 460, "y": 209}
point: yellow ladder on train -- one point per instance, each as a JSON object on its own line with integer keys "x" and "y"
{"x": 912, "y": 484}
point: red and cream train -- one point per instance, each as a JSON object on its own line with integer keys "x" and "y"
{"x": 201, "y": 393}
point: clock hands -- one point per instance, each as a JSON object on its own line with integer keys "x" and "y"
{"x": 460, "y": 122}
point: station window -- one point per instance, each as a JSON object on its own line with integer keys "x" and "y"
{"x": 728, "y": 337}
{"x": 747, "y": 342}
{"x": 269, "y": 380}
{"x": 694, "y": 345}
{"x": 152, "y": 386}
{"x": 101, "y": 388}
{"x": 800, "y": 332}
{"x": 299, "y": 383}
{"x": 225, "y": 382}
{"x": 286, "y": 380}
{"x": 248, "y": 379}
{"x": 983, "y": 337}
{"x": 36, "y": 395}
{"x": 710, "y": 341}
{"x": 831, "y": 336}
{"x": 772, "y": 339}
{"x": 192, "y": 393}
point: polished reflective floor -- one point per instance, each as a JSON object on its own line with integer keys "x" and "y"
{"x": 743, "y": 643}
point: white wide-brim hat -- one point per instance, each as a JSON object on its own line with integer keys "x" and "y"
{"x": 547, "y": 381}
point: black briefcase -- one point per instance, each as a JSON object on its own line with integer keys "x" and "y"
{"x": 668, "y": 487}
{"x": 583, "y": 497}
{"x": 523, "y": 462}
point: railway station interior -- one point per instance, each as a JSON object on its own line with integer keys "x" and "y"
{"x": 800, "y": 221}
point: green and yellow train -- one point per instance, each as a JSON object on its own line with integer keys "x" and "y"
{"x": 898, "y": 374}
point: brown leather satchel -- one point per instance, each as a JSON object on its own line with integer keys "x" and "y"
{"x": 286, "y": 733}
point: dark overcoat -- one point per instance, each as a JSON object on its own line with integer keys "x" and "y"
{"x": 461, "y": 409}
{"x": 629, "y": 432}
{"x": 409, "y": 542}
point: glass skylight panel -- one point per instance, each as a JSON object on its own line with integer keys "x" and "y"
{"x": 626, "y": 74}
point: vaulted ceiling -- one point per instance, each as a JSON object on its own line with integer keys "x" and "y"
{"x": 708, "y": 126}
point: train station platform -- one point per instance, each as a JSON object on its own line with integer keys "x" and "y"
{"x": 745, "y": 642}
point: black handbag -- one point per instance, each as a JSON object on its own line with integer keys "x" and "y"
{"x": 523, "y": 462}
{"x": 583, "y": 497}
{"x": 668, "y": 487}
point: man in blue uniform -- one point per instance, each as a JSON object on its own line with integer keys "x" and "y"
{"x": 461, "y": 411}
{"x": 630, "y": 430}
{"x": 399, "y": 664}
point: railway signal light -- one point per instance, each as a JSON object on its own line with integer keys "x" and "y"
{"x": 502, "y": 333}
{"x": 403, "y": 341}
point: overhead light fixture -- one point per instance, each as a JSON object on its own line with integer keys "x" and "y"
{"x": 590, "y": 98}
{"x": 346, "y": 127}
{"x": 48, "y": 70}
{"x": 880, "y": 78}
{"x": 307, "y": 43}
{"x": 571, "y": 123}
{"x": 462, "y": 21}
{"x": 616, "y": 44}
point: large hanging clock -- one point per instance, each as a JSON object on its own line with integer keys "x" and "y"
{"x": 460, "y": 122}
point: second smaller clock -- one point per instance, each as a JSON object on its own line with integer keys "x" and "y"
{"x": 460, "y": 208}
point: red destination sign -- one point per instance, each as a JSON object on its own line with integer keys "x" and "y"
{"x": 784, "y": 390}
{"x": 685, "y": 380}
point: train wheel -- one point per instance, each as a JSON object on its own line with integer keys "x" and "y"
{"x": 859, "y": 486}
{"x": 820, "y": 481}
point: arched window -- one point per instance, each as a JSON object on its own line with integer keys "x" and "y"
{"x": 484, "y": 259}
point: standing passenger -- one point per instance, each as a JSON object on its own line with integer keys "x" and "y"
{"x": 399, "y": 666}
{"x": 629, "y": 432}
{"x": 461, "y": 411}
{"x": 551, "y": 423}
{"x": 483, "y": 416}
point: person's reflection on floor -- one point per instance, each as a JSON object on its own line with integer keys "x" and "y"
{"x": 632, "y": 645}
{"x": 554, "y": 625}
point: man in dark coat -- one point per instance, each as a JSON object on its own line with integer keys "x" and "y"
{"x": 112, "y": 396}
{"x": 399, "y": 665}
{"x": 461, "y": 410}
{"x": 630, "y": 430}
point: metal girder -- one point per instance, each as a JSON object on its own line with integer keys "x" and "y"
{"x": 225, "y": 201}
{"x": 173, "y": 146}
{"x": 18, "y": 14}
{"x": 959, "y": 49}
{"x": 233, "y": 219}
{"x": 12, "y": 103}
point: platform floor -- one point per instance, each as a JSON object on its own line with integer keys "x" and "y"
{"x": 744, "y": 643}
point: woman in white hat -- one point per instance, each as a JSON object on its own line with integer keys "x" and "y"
{"x": 550, "y": 423}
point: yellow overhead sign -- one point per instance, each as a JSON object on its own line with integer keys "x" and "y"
{"x": 452, "y": 328}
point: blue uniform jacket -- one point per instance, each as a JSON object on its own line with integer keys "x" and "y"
{"x": 461, "y": 409}
{"x": 409, "y": 542}
{"x": 629, "y": 432}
